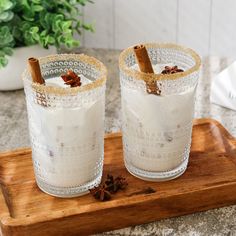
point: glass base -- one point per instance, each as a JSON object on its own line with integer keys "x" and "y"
{"x": 157, "y": 176}
{"x": 68, "y": 192}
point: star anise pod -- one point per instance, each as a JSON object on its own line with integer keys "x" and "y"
{"x": 100, "y": 193}
{"x": 120, "y": 182}
{"x": 110, "y": 186}
{"x": 115, "y": 184}
{"x": 71, "y": 78}
{"x": 171, "y": 70}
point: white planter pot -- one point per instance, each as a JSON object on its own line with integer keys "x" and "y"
{"x": 10, "y": 76}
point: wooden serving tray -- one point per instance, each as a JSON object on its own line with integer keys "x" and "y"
{"x": 209, "y": 182}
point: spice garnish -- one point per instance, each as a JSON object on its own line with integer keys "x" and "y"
{"x": 145, "y": 65}
{"x": 114, "y": 185}
{"x": 71, "y": 78}
{"x": 35, "y": 70}
{"x": 101, "y": 193}
{"x": 110, "y": 186}
{"x": 171, "y": 70}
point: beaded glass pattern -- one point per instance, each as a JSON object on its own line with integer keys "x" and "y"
{"x": 66, "y": 125}
{"x": 157, "y": 129}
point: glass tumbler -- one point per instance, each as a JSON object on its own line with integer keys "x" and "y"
{"x": 157, "y": 128}
{"x": 66, "y": 125}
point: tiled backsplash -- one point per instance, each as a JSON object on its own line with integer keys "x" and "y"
{"x": 208, "y": 26}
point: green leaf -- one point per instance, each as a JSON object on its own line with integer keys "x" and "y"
{"x": 8, "y": 51}
{"x": 16, "y": 32}
{"x": 25, "y": 4}
{"x": 56, "y": 25}
{"x": 88, "y": 27}
{"x": 9, "y": 17}
{"x": 34, "y": 29}
{"x": 66, "y": 25}
{"x": 59, "y": 17}
{"x": 5, "y": 5}
{"x": 48, "y": 19}
{"x": 3, "y": 15}
{"x": 50, "y": 39}
{"x": 2, "y": 53}
{"x": 5, "y": 36}
{"x": 73, "y": 2}
{"x": 28, "y": 16}
{"x": 37, "y": 8}
{"x": 6, "y": 16}
{"x": 78, "y": 24}
{"x": 36, "y": 1}
{"x": 25, "y": 26}
{"x": 3, "y": 61}
{"x": 76, "y": 43}
{"x": 42, "y": 21}
{"x": 35, "y": 37}
{"x": 43, "y": 33}
{"x": 61, "y": 39}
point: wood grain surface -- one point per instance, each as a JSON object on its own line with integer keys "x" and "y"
{"x": 209, "y": 182}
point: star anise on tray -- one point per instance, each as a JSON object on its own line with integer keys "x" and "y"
{"x": 110, "y": 186}
{"x": 171, "y": 70}
{"x": 71, "y": 78}
{"x": 101, "y": 193}
{"x": 115, "y": 184}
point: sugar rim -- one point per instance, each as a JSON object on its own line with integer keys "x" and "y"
{"x": 67, "y": 91}
{"x": 153, "y": 77}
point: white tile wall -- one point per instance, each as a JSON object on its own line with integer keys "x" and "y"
{"x": 223, "y": 28}
{"x": 194, "y": 19}
{"x": 101, "y": 14}
{"x": 138, "y": 22}
{"x": 208, "y": 26}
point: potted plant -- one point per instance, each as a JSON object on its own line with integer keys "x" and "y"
{"x": 29, "y": 27}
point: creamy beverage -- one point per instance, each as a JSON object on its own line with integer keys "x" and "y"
{"x": 158, "y": 85}
{"x": 66, "y": 149}
{"x": 66, "y": 123}
{"x": 157, "y": 128}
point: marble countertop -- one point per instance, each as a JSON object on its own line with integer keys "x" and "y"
{"x": 222, "y": 221}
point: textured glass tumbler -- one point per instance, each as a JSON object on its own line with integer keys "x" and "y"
{"x": 66, "y": 125}
{"x": 157, "y": 128}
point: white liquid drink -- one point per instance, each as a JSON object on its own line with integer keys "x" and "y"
{"x": 157, "y": 127}
{"x": 67, "y": 125}
{"x": 68, "y": 150}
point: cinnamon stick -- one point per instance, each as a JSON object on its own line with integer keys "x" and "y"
{"x": 35, "y": 70}
{"x": 143, "y": 59}
{"x": 145, "y": 66}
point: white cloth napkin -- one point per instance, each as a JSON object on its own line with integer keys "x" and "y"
{"x": 223, "y": 89}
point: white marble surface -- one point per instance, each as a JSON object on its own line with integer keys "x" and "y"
{"x": 14, "y": 134}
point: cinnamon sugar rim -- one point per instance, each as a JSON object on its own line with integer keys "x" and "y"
{"x": 152, "y": 77}
{"x": 66, "y": 91}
